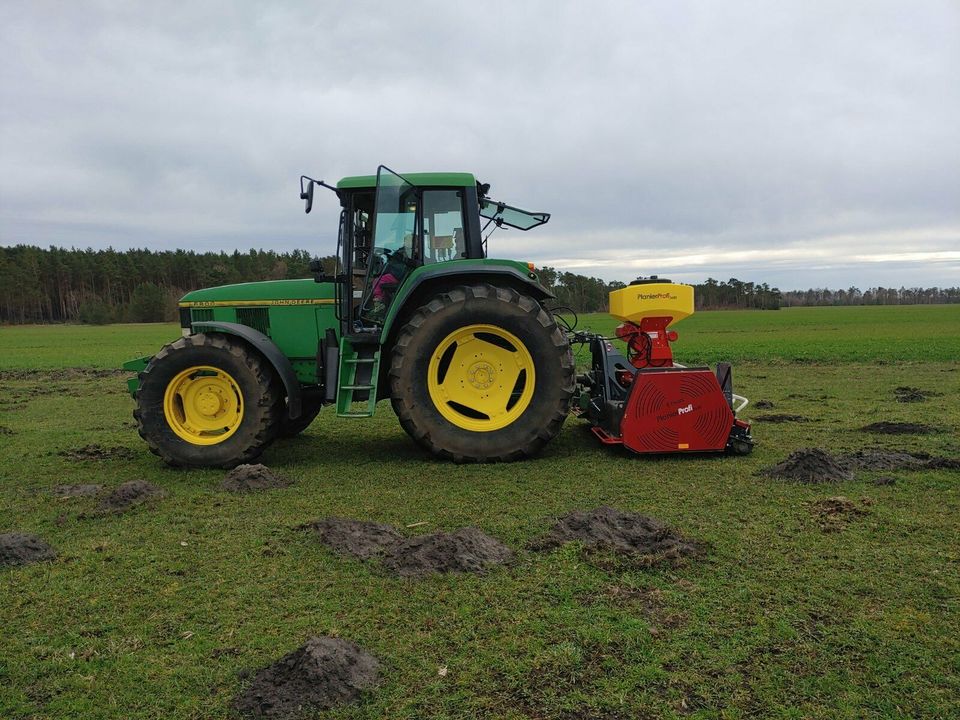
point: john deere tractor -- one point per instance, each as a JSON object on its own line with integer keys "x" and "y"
{"x": 475, "y": 367}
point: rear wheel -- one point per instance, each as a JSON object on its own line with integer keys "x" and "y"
{"x": 482, "y": 374}
{"x": 208, "y": 401}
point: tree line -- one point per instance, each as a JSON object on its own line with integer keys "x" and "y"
{"x": 99, "y": 286}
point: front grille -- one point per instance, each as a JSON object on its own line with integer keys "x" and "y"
{"x": 202, "y": 315}
{"x": 257, "y": 318}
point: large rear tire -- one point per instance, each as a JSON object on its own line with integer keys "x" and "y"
{"x": 208, "y": 401}
{"x": 482, "y": 374}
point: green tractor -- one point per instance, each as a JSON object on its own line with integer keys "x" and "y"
{"x": 475, "y": 367}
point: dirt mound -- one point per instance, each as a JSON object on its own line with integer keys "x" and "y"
{"x": 810, "y": 466}
{"x": 464, "y": 550}
{"x": 128, "y": 495}
{"x": 780, "y": 418}
{"x": 360, "y": 538}
{"x": 324, "y": 673}
{"x": 897, "y": 428}
{"x": 907, "y": 394}
{"x": 835, "y": 512}
{"x": 250, "y": 478}
{"x": 763, "y": 405}
{"x": 98, "y": 452}
{"x": 605, "y": 528}
{"x": 76, "y": 490}
{"x": 885, "y": 460}
{"x": 23, "y": 549}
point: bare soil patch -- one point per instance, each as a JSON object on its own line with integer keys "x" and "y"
{"x": 627, "y": 533}
{"x": 834, "y": 513}
{"x": 810, "y": 466}
{"x": 69, "y": 491}
{"x": 23, "y": 549}
{"x": 764, "y": 405}
{"x": 870, "y": 459}
{"x": 885, "y": 427}
{"x": 467, "y": 550}
{"x": 96, "y": 451}
{"x": 60, "y": 374}
{"x": 4, "y": 430}
{"x": 907, "y": 394}
{"x": 251, "y": 478}
{"x": 129, "y": 495}
{"x": 780, "y": 418}
{"x": 358, "y": 538}
{"x": 324, "y": 673}
{"x": 884, "y": 480}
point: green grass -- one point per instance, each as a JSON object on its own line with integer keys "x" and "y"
{"x": 156, "y": 612}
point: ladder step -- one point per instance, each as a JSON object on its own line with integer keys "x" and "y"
{"x": 355, "y": 414}
{"x": 359, "y": 360}
{"x": 356, "y": 387}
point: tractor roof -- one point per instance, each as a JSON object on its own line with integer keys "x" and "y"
{"x": 418, "y": 179}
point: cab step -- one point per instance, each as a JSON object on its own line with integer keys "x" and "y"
{"x": 358, "y": 376}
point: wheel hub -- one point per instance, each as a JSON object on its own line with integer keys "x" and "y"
{"x": 203, "y": 405}
{"x": 481, "y": 378}
{"x": 481, "y": 375}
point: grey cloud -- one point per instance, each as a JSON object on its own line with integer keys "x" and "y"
{"x": 639, "y": 125}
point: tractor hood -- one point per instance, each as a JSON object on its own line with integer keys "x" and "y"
{"x": 269, "y": 292}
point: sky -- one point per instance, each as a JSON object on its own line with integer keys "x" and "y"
{"x": 803, "y": 144}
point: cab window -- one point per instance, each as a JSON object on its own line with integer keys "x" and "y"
{"x": 443, "y": 236}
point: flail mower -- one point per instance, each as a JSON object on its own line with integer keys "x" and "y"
{"x": 476, "y": 366}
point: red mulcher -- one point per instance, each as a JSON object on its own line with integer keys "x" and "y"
{"x": 644, "y": 400}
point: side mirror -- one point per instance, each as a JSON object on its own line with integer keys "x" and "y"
{"x": 307, "y": 194}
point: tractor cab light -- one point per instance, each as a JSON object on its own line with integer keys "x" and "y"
{"x": 531, "y": 267}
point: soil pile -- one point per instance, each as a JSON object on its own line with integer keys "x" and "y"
{"x": 98, "y": 452}
{"x": 835, "y": 512}
{"x": 75, "y": 490}
{"x": 324, "y": 673}
{"x": 23, "y": 549}
{"x": 764, "y": 405}
{"x": 128, "y": 495}
{"x": 897, "y": 428}
{"x": 605, "y": 528}
{"x": 810, "y": 466}
{"x": 906, "y": 394}
{"x": 780, "y": 418}
{"x": 251, "y": 478}
{"x": 465, "y": 550}
{"x": 360, "y": 538}
{"x": 885, "y": 460}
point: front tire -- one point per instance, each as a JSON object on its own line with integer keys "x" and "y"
{"x": 482, "y": 374}
{"x": 207, "y": 400}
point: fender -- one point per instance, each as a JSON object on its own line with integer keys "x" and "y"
{"x": 270, "y": 351}
{"x": 477, "y": 269}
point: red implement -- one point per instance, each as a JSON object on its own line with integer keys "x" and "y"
{"x": 676, "y": 409}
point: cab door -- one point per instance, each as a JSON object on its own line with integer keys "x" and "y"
{"x": 395, "y": 249}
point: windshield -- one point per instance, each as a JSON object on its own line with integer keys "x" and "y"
{"x": 503, "y": 214}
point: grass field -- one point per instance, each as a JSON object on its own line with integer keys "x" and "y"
{"x": 158, "y": 612}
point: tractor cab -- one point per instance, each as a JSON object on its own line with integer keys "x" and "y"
{"x": 392, "y": 225}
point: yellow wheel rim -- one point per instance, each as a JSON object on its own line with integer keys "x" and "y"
{"x": 203, "y": 405}
{"x": 481, "y": 378}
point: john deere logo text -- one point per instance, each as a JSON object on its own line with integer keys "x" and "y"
{"x": 656, "y": 296}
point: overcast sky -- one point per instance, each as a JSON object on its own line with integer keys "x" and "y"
{"x": 798, "y": 143}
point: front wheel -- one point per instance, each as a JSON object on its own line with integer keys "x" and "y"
{"x": 208, "y": 401}
{"x": 482, "y": 374}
